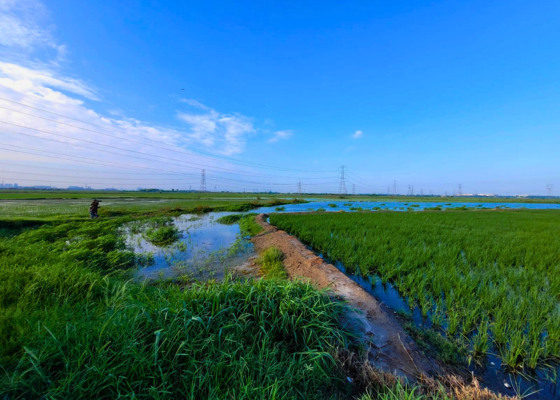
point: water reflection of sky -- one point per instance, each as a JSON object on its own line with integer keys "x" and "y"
{"x": 201, "y": 252}
{"x": 346, "y": 205}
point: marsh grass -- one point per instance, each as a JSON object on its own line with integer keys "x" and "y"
{"x": 73, "y": 326}
{"x": 233, "y": 218}
{"x": 249, "y": 226}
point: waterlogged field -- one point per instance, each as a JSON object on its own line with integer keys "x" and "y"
{"x": 490, "y": 279}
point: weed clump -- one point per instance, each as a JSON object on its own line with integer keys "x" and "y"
{"x": 271, "y": 264}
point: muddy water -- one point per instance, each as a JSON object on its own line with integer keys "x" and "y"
{"x": 205, "y": 250}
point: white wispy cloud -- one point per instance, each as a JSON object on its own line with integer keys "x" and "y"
{"x": 195, "y": 103}
{"x": 40, "y": 82}
{"x": 357, "y": 134}
{"x": 280, "y": 135}
{"x": 226, "y": 133}
{"x": 24, "y": 28}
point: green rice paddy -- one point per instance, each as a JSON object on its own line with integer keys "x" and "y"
{"x": 488, "y": 278}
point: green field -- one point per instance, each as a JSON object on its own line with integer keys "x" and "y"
{"x": 16, "y": 194}
{"x": 19, "y": 206}
{"x": 488, "y": 278}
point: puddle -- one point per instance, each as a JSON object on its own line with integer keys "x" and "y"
{"x": 205, "y": 249}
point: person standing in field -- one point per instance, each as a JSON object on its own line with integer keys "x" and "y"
{"x": 93, "y": 208}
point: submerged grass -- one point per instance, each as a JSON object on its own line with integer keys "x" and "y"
{"x": 161, "y": 232}
{"x": 489, "y": 279}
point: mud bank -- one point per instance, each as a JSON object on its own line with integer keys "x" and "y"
{"x": 391, "y": 349}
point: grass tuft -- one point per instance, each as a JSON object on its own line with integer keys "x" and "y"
{"x": 271, "y": 264}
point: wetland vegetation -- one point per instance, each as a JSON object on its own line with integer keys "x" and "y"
{"x": 76, "y": 323}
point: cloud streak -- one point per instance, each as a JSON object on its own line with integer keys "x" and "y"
{"x": 357, "y": 134}
{"x": 279, "y": 135}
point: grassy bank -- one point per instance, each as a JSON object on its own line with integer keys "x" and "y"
{"x": 490, "y": 279}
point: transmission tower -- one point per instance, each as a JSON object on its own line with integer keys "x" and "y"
{"x": 299, "y": 187}
{"x": 353, "y": 189}
{"x": 549, "y": 188}
{"x": 394, "y": 188}
{"x": 203, "y": 181}
{"x": 342, "y": 186}
{"x": 460, "y": 192}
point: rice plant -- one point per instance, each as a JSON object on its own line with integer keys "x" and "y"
{"x": 490, "y": 279}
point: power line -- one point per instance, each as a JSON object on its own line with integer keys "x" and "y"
{"x": 200, "y": 154}
{"x": 217, "y": 169}
{"x": 165, "y": 172}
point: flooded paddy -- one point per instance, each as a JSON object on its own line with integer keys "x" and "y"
{"x": 495, "y": 376}
{"x": 442, "y": 271}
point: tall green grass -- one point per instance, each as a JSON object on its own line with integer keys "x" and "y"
{"x": 73, "y": 325}
{"x": 490, "y": 279}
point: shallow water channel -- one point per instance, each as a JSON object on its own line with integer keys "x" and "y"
{"x": 207, "y": 249}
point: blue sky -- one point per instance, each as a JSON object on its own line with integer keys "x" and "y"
{"x": 443, "y": 92}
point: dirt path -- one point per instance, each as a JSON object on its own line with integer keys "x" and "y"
{"x": 392, "y": 350}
